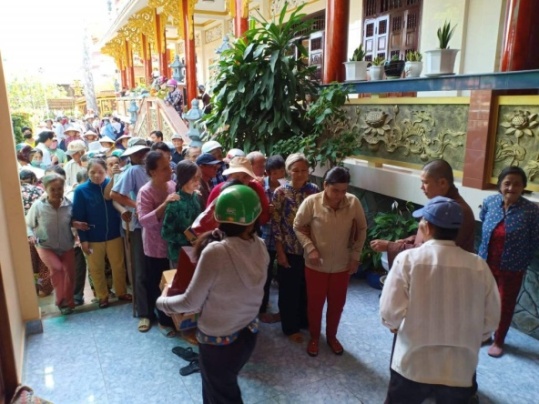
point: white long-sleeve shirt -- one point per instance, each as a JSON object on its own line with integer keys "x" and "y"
{"x": 228, "y": 285}
{"x": 443, "y": 301}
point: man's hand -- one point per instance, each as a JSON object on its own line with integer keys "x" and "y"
{"x": 80, "y": 225}
{"x": 86, "y": 248}
{"x": 32, "y": 240}
{"x": 127, "y": 216}
{"x": 379, "y": 245}
{"x": 314, "y": 259}
{"x": 352, "y": 266}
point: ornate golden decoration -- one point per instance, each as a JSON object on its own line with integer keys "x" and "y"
{"x": 116, "y": 49}
{"x": 418, "y": 135}
{"x": 144, "y": 23}
{"x": 231, "y": 7}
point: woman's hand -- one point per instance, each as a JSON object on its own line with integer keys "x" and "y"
{"x": 172, "y": 198}
{"x": 164, "y": 292}
{"x": 282, "y": 260}
{"x": 352, "y": 266}
{"x": 313, "y": 259}
{"x": 86, "y": 248}
{"x": 127, "y": 216}
{"x": 32, "y": 240}
{"x": 379, "y": 245}
{"x": 80, "y": 225}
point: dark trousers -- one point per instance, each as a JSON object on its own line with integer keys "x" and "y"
{"x": 138, "y": 264}
{"x": 292, "y": 295}
{"x": 154, "y": 272}
{"x": 267, "y": 285}
{"x": 220, "y": 366}
{"x": 80, "y": 273}
{"x": 509, "y": 284}
{"x": 402, "y": 390}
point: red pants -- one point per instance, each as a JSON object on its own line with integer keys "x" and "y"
{"x": 322, "y": 286}
{"x": 509, "y": 284}
{"x": 62, "y": 267}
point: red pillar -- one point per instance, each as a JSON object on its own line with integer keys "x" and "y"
{"x": 147, "y": 60}
{"x": 521, "y": 36}
{"x": 130, "y": 68}
{"x": 190, "y": 56}
{"x": 241, "y": 24}
{"x": 123, "y": 77}
{"x": 336, "y": 41}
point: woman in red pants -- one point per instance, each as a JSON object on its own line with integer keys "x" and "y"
{"x": 331, "y": 227}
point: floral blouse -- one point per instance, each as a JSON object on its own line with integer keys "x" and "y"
{"x": 30, "y": 193}
{"x": 286, "y": 201}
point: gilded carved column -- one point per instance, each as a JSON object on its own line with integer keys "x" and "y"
{"x": 521, "y": 36}
{"x": 161, "y": 44}
{"x": 146, "y": 59}
{"x": 130, "y": 68}
{"x": 336, "y": 40}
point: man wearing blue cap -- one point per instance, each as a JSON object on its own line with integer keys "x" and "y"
{"x": 209, "y": 165}
{"x": 442, "y": 302}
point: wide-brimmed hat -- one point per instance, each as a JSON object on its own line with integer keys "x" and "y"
{"x": 211, "y": 145}
{"x": 123, "y": 137}
{"x": 90, "y": 133}
{"x": 76, "y": 146}
{"x": 134, "y": 145}
{"x": 72, "y": 128}
{"x": 240, "y": 165}
{"x": 106, "y": 139}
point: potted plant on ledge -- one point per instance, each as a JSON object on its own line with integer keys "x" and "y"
{"x": 413, "y": 65}
{"x": 393, "y": 68}
{"x": 376, "y": 70}
{"x": 356, "y": 68}
{"x": 439, "y": 62}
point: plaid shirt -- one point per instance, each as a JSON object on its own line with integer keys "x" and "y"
{"x": 267, "y": 234}
{"x": 219, "y": 177}
{"x": 175, "y": 99}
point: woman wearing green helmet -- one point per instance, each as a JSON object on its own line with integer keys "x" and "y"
{"x": 227, "y": 286}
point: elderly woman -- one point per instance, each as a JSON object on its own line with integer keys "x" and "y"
{"x": 49, "y": 228}
{"x": 508, "y": 243}
{"x": 291, "y": 265}
{"x": 331, "y": 227}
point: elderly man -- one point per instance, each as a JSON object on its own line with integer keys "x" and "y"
{"x": 178, "y": 154}
{"x": 442, "y": 302}
{"x": 436, "y": 180}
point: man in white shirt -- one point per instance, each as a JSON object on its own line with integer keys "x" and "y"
{"x": 442, "y": 302}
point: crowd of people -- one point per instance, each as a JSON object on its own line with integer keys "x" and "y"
{"x": 101, "y": 200}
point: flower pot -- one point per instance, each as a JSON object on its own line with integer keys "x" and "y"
{"x": 356, "y": 71}
{"x": 440, "y": 61}
{"x": 376, "y": 73}
{"x": 394, "y": 69}
{"x": 413, "y": 69}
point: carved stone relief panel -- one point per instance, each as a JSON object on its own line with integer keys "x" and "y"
{"x": 213, "y": 34}
{"x": 412, "y": 134}
{"x": 517, "y": 141}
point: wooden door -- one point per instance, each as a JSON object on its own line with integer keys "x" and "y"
{"x": 8, "y": 370}
{"x": 375, "y": 37}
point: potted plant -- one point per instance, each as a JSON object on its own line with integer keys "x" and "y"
{"x": 394, "y": 225}
{"x": 356, "y": 68}
{"x": 376, "y": 69}
{"x": 441, "y": 61}
{"x": 414, "y": 64}
{"x": 393, "y": 68}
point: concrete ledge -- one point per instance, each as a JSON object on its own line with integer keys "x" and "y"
{"x": 34, "y": 327}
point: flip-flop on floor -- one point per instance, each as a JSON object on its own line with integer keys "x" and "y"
{"x": 185, "y": 353}
{"x": 190, "y": 369}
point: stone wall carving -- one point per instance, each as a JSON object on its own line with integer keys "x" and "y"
{"x": 213, "y": 34}
{"x": 411, "y": 133}
{"x": 517, "y": 140}
{"x": 277, "y": 5}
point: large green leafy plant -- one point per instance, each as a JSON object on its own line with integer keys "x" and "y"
{"x": 330, "y": 139}
{"x": 261, "y": 85}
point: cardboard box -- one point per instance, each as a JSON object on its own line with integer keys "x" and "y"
{"x": 184, "y": 321}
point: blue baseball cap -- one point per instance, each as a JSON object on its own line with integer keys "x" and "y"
{"x": 442, "y": 212}
{"x": 207, "y": 159}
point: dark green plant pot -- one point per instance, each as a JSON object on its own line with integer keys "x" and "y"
{"x": 394, "y": 68}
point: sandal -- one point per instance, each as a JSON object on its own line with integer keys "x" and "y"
{"x": 296, "y": 337}
{"x": 144, "y": 324}
{"x": 185, "y": 353}
{"x": 103, "y": 304}
{"x": 190, "y": 369}
{"x": 66, "y": 310}
{"x": 127, "y": 297}
{"x": 335, "y": 346}
{"x": 312, "y": 347}
{"x": 168, "y": 332}
{"x": 269, "y": 318}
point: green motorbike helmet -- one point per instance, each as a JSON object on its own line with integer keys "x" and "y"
{"x": 237, "y": 204}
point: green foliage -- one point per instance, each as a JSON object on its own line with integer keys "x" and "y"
{"x": 444, "y": 34}
{"x": 391, "y": 226}
{"x": 261, "y": 85}
{"x": 358, "y": 54}
{"x": 378, "y": 61}
{"x": 31, "y": 94}
{"x": 329, "y": 140}
{"x": 19, "y": 120}
{"x": 395, "y": 58}
{"x": 414, "y": 56}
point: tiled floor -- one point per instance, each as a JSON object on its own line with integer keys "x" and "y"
{"x": 99, "y": 357}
